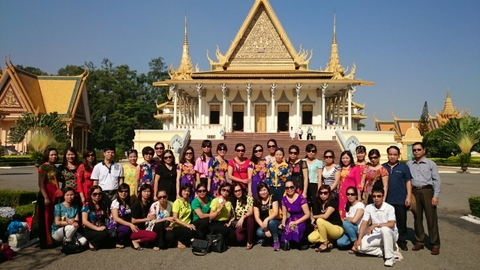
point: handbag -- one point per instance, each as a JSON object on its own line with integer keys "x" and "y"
{"x": 71, "y": 247}
{"x": 217, "y": 243}
{"x": 200, "y": 247}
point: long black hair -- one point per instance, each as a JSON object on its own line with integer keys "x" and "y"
{"x": 183, "y": 159}
{"x": 128, "y": 198}
{"x": 254, "y": 158}
{"x": 86, "y": 152}
{"x": 101, "y": 203}
{"x": 349, "y": 154}
{"x": 204, "y": 155}
{"x": 73, "y": 150}
{"x": 330, "y": 195}
{"x": 242, "y": 199}
{"x": 46, "y": 154}
{"x": 349, "y": 204}
{"x": 257, "y": 201}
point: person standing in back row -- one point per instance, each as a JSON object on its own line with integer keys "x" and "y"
{"x": 309, "y": 133}
{"x": 108, "y": 174}
{"x": 426, "y": 189}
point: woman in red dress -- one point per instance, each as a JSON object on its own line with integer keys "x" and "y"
{"x": 84, "y": 171}
{"x": 47, "y": 197}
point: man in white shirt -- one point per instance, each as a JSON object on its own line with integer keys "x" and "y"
{"x": 108, "y": 174}
{"x": 378, "y": 239}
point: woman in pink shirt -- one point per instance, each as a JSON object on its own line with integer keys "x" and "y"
{"x": 201, "y": 164}
{"x": 238, "y": 166}
{"x": 349, "y": 176}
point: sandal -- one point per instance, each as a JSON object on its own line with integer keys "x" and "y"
{"x": 351, "y": 251}
{"x": 139, "y": 248}
{"x": 118, "y": 246}
{"x": 325, "y": 247}
{"x": 249, "y": 246}
{"x": 156, "y": 248}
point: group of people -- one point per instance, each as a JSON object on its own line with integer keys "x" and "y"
{"x": 273, "y": 199}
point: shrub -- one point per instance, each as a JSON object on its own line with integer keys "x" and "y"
{"x": 24, "y": 211}
{"x": 475, "y": 205}
{"x": 14, "y": 198}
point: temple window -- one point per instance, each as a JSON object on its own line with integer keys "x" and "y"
{"x": 215, "y": 114}
{"x": 307, "y": 114}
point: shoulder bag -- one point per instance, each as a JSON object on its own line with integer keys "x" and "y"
{"x": 217, "y": 243}
{"x": 200, "y": 247}
{"x": 71, "y": 247}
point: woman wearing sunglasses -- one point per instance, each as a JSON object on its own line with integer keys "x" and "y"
{"x": 374, "y": 175}
{"x": 298, "y": 170}
{"x": 202, "y": 162}
{"x": 314, "y": 167}
{"x": 185, "y": 171}
{"x": 140, "y": 217}
{"x": 295, "y": 214}
{"x": 222, "y": 214}
{"x": 349, "y": 176}
{"x": 120, "y": 216}
{"x": 256, "y": 169}
{"x": 327, "y": 223}
{"x": 145, "y": 172}
{"x": 271, "y": 147}
{"x": 360, "y": 153}
{"x": 162, "y": 211}
{"x": 238, "y": 166}
{"x": 84, "y": 172}
{"x": 352, "y": 220}
{"x": 266, "y": 212}
{"x": 244, "y": 221}
{"x": 129, "y": 170}
{"x": 94, "y": 213}
{"x": 201, "y": 210}
{"x": 159, "y": 148}
{"x": 217, "y": 170}
{"x": 331, "y": 172}
{"x": 166, "y": 175}
{"x": 278, "y": 172}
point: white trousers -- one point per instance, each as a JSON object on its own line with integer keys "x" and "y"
{"x": 380, "y": 243}
{"x": 70, "y": 230}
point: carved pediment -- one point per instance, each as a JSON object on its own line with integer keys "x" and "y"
{"x": 9, "y": 100}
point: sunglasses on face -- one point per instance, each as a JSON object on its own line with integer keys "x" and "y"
{"x": 222, "y": 149}
{"x": 237, "y": 190}
{"x": 289, "y": 187}
{"x": 417, "y": 149}
{"x": 312, "y": 151}
{"x": 377, "y": 196}
{"x": 167, "y": 157}
{"x": 162, "y": 197}
{"x": 123, "y": 191}
{"x": 323, "y": 192}
{"x": 201, "y": 191}
{"x": 240, "y": 150}
{"x": 206, "y": 146}
{"x": 95, "y": 194}
{"x": 293, "y": 153}
{"x": 374, "y": 157}
{"x": 225, "y": 190}
{"x": 90, "y": 155}
{"x": 271, "y": 146}
{"x": 149, "y": 154}
{"x": 258, "y": 151}
{"x": 188, "y": 153}
{"x": 351, "y": 194}
{"x": 328, "y": 156}
{"x": 159, "y": 148}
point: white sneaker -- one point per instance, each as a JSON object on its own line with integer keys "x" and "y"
{"x": 389, "y": 262}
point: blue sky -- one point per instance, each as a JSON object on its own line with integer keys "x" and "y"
{"x": 412, "y": 50}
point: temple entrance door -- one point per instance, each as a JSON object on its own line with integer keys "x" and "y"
{"x": 237, "y": 117}
{"x": 260, "y": 118}
{"x": 283, "y": 115}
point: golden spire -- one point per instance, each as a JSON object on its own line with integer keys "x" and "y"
{"x": 185, "y": 69}
{"x": 448, "y": 109}
{"x": 334, "y": 65}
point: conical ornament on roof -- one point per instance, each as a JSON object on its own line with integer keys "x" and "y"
{"x": 185, "y": 69}
{"x": 448, "y": 109}
{"x": 334, "y": 65}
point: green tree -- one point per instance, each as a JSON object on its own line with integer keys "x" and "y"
{"x": 464, "y": 132}
{"x": 32, "y": 70}
{"x": 424, "y": 123}
{"x": 437, "y": 146}
{"x": 71, "y": 70}
{"x": 28, "y": 120}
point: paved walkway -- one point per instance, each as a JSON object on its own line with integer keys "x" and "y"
{"x": 459, "y": 243}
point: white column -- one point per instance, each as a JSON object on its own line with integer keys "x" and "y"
{"x": 343, "y": 107}
{"x": 324, "y": 89}
{"x": 199, "y": 116}
{"x": 350, "y": 94}
{"x": 298, "y": 88}
{"x": 339, "y": 101}
{"x": 174, "y": 91}
{"x": 224, "y": 105}
{"x": 249, "y": 105}
{"x": 272, "y": 122}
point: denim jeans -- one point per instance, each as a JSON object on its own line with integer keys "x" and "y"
{"x": 272, "y": 227}
{"x": 350, "y": 234}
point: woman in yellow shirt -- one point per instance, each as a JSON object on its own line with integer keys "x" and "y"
{"x": 222, "y": 215}
{"x": 183, "y": 230}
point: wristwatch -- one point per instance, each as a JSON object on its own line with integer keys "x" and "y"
{"x": 378, "y": 225}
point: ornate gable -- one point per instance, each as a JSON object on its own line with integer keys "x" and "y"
{"x": 10, "y": 101}
{"x": 261, "y": 44}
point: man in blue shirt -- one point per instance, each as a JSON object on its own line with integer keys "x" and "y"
{"x": 399, "y": 192}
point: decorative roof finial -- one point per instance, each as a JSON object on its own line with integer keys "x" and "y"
{"x": 185, "y": 69}
{"x": 334, "y": 65}
{"x": 334, "y": 40}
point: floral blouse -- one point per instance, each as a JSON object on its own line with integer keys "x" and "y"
{"x": 258, "y": 169}
{"x": 147, "y": 173}
{"x": 241, "y": 210}
{"x": 277, "y": 176}
{"x": 371, "y": 177}
{"x": 217, "y": 170}
{"x": 69, "y": 177}
{"x": 123, "y": 213}
{"x": 96, "y": 217}
{"x": 186, "y": 170}
{"x": 129, "y": 174}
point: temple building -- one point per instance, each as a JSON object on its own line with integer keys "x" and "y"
{"x": 261, "y": 84}
{"x": 21, "y": 91}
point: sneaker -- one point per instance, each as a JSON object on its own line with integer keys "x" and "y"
{"x": 389, "y": 262}
{"x": 276, "y": 246}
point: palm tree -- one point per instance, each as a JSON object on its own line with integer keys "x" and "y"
{"x": 465, "y": 133}
{"x": 28, "y": 121}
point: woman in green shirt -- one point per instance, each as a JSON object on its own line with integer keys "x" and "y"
{"x": 201, "y": 210}
{"x": 182, "y": 228}
{"x": 222, "y": 215}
